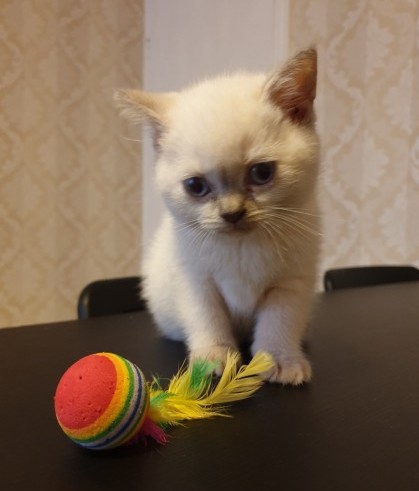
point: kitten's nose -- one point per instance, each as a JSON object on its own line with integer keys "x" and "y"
{"x": 233, "y": 216}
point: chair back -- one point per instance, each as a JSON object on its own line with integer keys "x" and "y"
{"x": 335, "y": 279}
{"x": 112, "y": 296}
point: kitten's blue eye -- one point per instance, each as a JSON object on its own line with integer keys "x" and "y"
{"x": 196, "y": 186}
{"x": 261, "y": 173}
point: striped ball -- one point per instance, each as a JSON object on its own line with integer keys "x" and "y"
{"x": 101, "y": 401}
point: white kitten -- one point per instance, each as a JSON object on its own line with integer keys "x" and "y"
{"x": 235, "y": 255}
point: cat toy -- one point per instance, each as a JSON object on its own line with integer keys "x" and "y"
{"x": 103, "y": 401}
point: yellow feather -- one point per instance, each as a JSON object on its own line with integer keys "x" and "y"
{"x": 182, "y": 383}
{"x": 185, "y": 399}
{"x": 236, "y": 384}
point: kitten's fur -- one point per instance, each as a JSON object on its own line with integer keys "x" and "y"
{"x": 240, "y": 261}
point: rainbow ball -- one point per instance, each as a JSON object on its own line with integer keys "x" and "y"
{"x": 102, "y": 401}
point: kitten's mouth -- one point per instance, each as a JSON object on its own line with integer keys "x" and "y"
{"x": 239, "y": 227}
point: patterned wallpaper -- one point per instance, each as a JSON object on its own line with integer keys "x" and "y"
{"x": 368, "y": 108}
{"x": 69, "y": 177}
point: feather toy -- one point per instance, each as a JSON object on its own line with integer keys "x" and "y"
{"x": 103, "y": 400}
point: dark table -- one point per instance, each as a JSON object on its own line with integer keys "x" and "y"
{"x": 355, "y": 427}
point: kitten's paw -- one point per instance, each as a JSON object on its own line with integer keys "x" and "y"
{"x": 290, "y": 371}
{"x": 216, "y": 354}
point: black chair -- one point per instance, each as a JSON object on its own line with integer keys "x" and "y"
{"x": 108, "y": 297}
{"x": 336, "y": 279}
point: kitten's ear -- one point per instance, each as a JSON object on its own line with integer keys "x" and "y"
{"x": 146, "y": 107}
{"x": 293, "y": 88}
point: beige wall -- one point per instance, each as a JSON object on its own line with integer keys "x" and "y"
{"x": 368, "y": 108}
{"x": 69, "y": 180}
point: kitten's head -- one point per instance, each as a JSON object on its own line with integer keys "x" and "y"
{"x": 235, "y": 152}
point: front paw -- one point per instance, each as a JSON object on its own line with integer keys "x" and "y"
{"x": 217, "y": 354}
{"x": 290, "y": 371}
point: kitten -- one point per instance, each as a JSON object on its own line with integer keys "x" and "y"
{"x": 235, "y": 254}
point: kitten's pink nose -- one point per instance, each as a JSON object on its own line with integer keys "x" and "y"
{"x": 233, "y": 217}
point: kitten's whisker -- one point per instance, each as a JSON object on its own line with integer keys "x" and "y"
{"x": 299, "y": 211}
{"x": 291, "y": 226}
{"x": 266, "y": 228}
{"x": 200, "y": 237}
{"x": 191, "y": 229}
{"x": 132, "y": 139}
{"x": 300, "y": 218}
{"x": 303, "y": 226}
{"x": 254, "y": 214}
{"x": 192, "y": 224}
{"x": 194, "y": 221}
{"x": 207, "y": 235}
{"x": 297, "y": 223}
{"x": 196, "y": 237}
{"x": 289, "y": 244}
{"x": 279, "y": 228}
